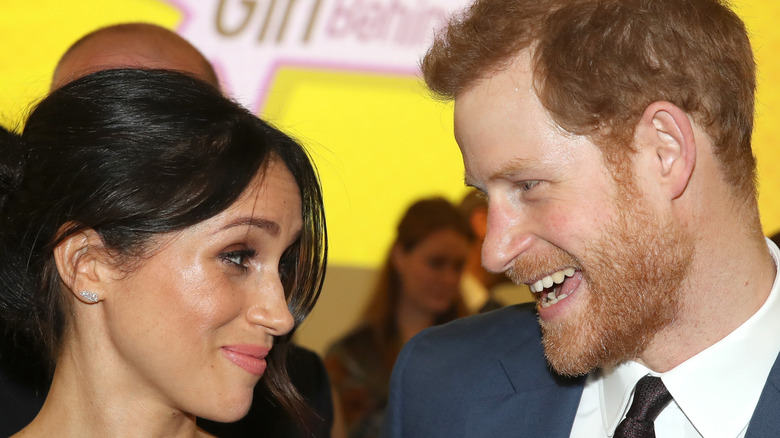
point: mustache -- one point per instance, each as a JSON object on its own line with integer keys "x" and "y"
{"x": 529, "y": 268}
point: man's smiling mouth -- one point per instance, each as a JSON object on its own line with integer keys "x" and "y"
{"x": 551, "y": 287}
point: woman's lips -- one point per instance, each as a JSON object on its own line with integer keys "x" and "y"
{"x": 249, "y": 357}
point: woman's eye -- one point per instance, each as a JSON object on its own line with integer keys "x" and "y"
{"x": 237, "y": 258}
{"x": 437, "y": 263}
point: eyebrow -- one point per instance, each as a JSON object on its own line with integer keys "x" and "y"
{"x": 268, "y": 226}
{"x": 508, "y": 169}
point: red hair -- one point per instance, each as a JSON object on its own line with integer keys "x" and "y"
{"x": 598, "y": 64}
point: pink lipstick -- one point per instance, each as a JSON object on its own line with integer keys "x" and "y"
{"x": 247, "y": 356}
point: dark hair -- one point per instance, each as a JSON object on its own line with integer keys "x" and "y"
{"x": 775, "y": 238}
{"x": 10, "y": 164}
{"x": 598, "y": 64}
{"x": 133, "y": 154}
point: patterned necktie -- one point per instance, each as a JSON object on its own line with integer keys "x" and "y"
{"x": 650, "y": 397}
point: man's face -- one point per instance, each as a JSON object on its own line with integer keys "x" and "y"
{"x": 604, "y": 263}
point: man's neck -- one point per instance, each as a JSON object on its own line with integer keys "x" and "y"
{"x": 729, "y": 281}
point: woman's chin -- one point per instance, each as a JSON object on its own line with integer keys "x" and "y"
{"x": 228, "y": 411}
{"x": 438, "y": 307}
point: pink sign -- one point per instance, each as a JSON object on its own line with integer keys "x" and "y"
{"x": 248, "y": 40}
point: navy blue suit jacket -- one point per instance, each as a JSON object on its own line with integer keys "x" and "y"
{"x": 486, "y": 376}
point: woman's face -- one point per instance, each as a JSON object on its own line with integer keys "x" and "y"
{"x": 190, "y": 327}
{"x": 430, "y": 272}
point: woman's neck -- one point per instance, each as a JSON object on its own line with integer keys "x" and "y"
{"x": 412, "y": 320}
{"x": 87, "y": 399}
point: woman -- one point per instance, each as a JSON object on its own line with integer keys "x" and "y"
{"x": 154, "y": 236}
{"x": 417, "y": 288}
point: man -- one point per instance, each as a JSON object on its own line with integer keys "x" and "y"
{"x": 612, "y": 139}
{"x": 23, "y": 376}
{"x": 131, "y": 45}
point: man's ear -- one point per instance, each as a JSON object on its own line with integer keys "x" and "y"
{"x": 665, "y": 132}
{"x": 81, "y": 260}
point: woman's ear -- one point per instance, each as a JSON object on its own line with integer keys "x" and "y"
{"x": 82, "y": 263}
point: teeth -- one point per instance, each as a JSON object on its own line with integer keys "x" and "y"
{"x": 548, "y": 281}
{"x": 552, "y": 299}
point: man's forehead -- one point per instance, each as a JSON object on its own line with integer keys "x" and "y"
{"x": 517, "y": 69}
{"x": 505, "y": 133}
{"x": 505, "y": 86}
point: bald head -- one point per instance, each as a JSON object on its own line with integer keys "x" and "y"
{"x": 132, "y": 45}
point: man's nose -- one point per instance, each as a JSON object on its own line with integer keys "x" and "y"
{"x": 506, "y": 238}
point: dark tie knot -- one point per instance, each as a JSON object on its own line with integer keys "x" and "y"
{"x": 650, "y": 397}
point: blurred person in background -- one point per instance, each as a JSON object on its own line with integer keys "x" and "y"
{"x": 418, "y": 287}
{"x": 24, "y": 378}
{"x": 482, "y": 290}
{"x": 131, "y": 45}
{"x": 477, "y": 284}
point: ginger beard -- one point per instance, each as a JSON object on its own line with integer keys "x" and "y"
{"x": 633, "y": 274}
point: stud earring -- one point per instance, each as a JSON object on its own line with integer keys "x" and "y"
{"x": 92, "y": 297}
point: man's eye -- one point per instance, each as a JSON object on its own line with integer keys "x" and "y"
{"x": 528, "y": 185}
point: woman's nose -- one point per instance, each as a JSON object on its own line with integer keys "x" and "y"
{"x": 269, "y": 309}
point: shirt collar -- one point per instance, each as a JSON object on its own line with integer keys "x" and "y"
{"x": 740, "y": 363}
{"x": 615, "y": 391}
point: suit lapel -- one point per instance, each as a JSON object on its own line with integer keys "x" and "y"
{"x": 535, "y": 400}
{"x": 766, "y": 418}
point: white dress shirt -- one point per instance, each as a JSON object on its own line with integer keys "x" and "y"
{"x": 739, "y": 363}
